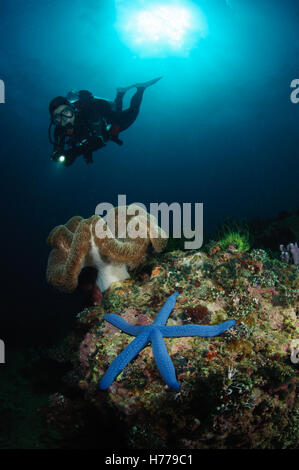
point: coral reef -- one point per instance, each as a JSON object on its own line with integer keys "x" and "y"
{"x": 238, "y": 390}
{"x": 84, "y": 243}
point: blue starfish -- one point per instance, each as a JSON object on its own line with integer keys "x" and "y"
{"x": 155, "y": 333}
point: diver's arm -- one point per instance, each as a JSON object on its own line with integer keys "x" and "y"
{"x": 99, "y": 130}
{"x": 104, "y": 127}
{"x": 101, "y": 118}
{"x": 59, "y": 138}
{"x": 58, "y": 144}
{"x": 86, "y": 149}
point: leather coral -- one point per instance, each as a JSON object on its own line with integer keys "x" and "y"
{"x": 111, "y": 246}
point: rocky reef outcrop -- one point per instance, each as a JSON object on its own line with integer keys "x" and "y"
{"x": 238, "y": 390}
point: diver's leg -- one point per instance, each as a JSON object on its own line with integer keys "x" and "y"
{"x": 127, "y": 117}
{"x": 119, "y": 100}
{"x": 124, "y": 119}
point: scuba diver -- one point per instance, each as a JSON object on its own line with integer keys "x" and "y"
{"x": 85, "y": 123}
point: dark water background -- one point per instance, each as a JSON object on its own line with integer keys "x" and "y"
{"x": 219, "y": 129}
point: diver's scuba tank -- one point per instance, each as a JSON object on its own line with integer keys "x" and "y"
{"x": 80, "y": 100}
{"x": 72, "y": 96}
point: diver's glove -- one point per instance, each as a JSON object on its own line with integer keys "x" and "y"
{"x": 89, "y": 146}
{"x": 85, "y": 148}
{"x": 93, "y": 142}
{"x": 113, "y": 132}
{"x": 54, "y": 155}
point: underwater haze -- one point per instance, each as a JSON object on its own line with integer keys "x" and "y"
{"x": 219, "y": 128}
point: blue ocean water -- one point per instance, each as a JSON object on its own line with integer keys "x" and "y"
{"x": 219, "y": 128}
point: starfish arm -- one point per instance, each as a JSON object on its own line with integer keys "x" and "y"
{"x": 120, "y": 323}
{"x": 196, "y": 330}
{"x": 121, "y": 361}
{"x": 166, "y": 310}
{"x": 162, "y": 359}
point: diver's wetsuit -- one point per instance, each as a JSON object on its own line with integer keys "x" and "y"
{"x": 113, "y": 113}
{"x": 93, "y": 116}
{"x": 125, "y": 119}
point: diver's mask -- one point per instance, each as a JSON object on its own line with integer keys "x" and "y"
{"x": 64, "y": 118}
